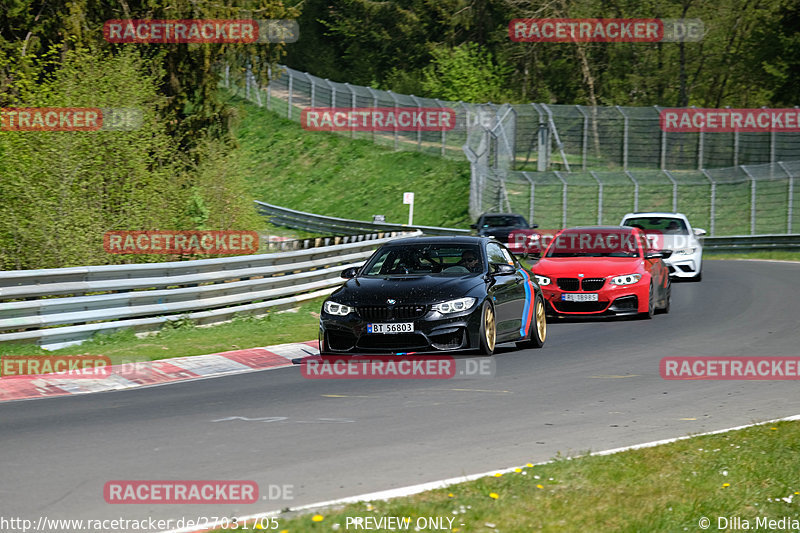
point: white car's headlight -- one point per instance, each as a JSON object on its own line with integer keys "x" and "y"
{"x": 454, "y": 306}
{"x": 628, "y": 279}
{"x": 333, "y": 308}
{"x": 685, "y": 251}
{"x": 542, "y": 280}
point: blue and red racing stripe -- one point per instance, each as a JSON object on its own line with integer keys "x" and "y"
{"x": 527, "y": 312}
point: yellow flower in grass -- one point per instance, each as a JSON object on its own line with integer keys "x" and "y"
{"x": 517, "y": 470}
{"x": 774, "y": 429}
{"x": 724, "y": 485}
{"x": 539, "y": 487}
{"x": 317, "y": 518}
{"x": 498, "y": 474}
{"x": 494, "y": 495}
{"x": 451, "y": 495}
{"x": 529, "y": 465}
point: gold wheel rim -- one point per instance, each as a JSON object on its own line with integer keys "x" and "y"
{"x": 489, "y": 326}
{"x": 541, "y": 323}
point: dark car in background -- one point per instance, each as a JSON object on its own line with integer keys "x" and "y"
{"x": 434, "y": 294}
{"x": 502, "y": 225}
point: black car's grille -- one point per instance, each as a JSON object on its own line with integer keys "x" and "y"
{"x": 588, "y": 284}
{"x": 394, "y": 342}
{"x": 398, "y": 312}
{"x": 593, "y": 284}
{"x": 567, "y": 284}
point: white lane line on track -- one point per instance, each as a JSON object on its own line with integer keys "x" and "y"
{"x": 416, "y": 489}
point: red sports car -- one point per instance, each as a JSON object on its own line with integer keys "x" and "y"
{"x": 603, "y": 270}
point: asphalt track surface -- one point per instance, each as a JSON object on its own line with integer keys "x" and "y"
{"x": 595, "y": 385}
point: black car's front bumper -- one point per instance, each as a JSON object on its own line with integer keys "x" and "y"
{"x": 433, "y": 332}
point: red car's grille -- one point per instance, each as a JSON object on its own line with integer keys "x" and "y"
{"x": 588, "y": 284}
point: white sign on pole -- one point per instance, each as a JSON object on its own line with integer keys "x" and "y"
{"x": 408, "y": 198}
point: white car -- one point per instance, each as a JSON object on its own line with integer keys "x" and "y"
{"x": 672, "y": 234}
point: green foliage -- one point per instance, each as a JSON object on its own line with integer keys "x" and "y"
{"x": 466, "y": 73}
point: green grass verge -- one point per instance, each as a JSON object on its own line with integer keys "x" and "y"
{"x": 751, "y": 474}
{"x": 184, "y": 338}
{"x": 330, "y": 174}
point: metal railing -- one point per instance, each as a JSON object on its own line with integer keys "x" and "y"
{"x": 282, "y": 216}
{"x": 64, "y": 306}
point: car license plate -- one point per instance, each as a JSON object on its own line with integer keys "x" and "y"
{"x": 586, "y": 297}
{"x": 400, "y": 327}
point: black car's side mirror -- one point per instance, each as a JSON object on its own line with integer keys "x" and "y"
{"x": 502, "y": 269}
{"x": 349, "y": 273}
{"x": 473, "y": 226}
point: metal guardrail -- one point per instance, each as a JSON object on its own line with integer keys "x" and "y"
{"x": 146, "y": 296}
{"x": 281, "y": 216}
{"x": 746, "y": 243}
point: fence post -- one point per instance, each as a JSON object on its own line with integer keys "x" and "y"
{"x": 419, "y": 131}
{"x": 674, "y": 190}
{"x": 352, "y": 105}
{"x": 533, "y": 195}
{"x": 313, "y": 87}
{"x": 444, "y": 133}
{"x": 713, "y": 200}
{"x": 663, "y": 155}
{"x": 269, "y": 87}
{"x": 374, "y": 104}
{"x": 752, "y": 200}
{"x": 700, "y": 147}
{"x": 599, "y": 198}
{"x": 247, "y": 83}
{"x": 563, "y": 199}
{"x": 790, "y": 201}
{"x": 289, "y": 108}
{"x": 227, "y": 76}
{"x": 559, "y": 144}
{"x": 396, "y": 105}
{"x": 625, "y": 130}
{"x": 584, "y": 137}
{"x": 635, "y": 190}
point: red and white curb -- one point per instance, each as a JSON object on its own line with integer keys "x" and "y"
{"x": 149, "y": 373}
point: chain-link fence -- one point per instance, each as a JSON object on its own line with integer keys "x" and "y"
{"x": 742, "y": 200}
{"x": 564, "y": 165}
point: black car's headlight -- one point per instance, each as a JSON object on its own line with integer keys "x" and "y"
{"x": 333, "y": 308}
{"x": 454, "y": 306}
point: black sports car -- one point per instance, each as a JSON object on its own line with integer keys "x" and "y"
{"x": 433, "y": 294}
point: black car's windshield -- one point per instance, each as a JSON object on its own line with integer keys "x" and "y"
{"x": 499, "y": 221}
{"x": 425, "y": 259}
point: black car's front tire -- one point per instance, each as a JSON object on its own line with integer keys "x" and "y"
{"x": 488, "y": 330}
{"x": 538, "y": 332}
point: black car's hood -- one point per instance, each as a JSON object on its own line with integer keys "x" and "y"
{"x": 406, "y": 289}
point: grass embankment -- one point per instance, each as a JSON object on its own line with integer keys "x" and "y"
{"x": 330, "y": 174}
{"x": 750, "y": 474}
{"x": 183, "y": 338}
